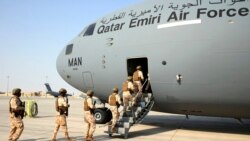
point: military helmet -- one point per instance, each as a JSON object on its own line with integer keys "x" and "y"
{"x": 130, "y": 78}
{"x": 115, "y": 90}
{"x": 138, "y": 67}
{"x": 90, "y": 93}
{"x": 62, "y": 91}
{"x": 16, "y": 91}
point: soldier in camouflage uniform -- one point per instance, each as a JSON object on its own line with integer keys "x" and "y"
{"x": 138, "y": 77}
{"x": 17, "y": 111}
{"x": 62, "y": 106}
{"x": 127, "y": 88}
{"x": 114, "y": 102}
{"x": 88, "y": 108}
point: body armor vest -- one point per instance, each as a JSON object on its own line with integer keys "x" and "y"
{"x": 17, "y": 111}
{"x": 125, "y": 86}
{"x": 10, "y": 109}
{"x": 136, "y": 76}
{"x": 112, "y": 100}
{"x": 19, "y": 101}
{"x": 86, "y": 106}
{"x": 61, "y": 109}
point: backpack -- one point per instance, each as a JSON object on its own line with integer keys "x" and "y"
{"x": 125, "y": 86}
{"x": 85, "y": 105}
{"x": 136, "y": 76}
{"x": 112, "y": 100}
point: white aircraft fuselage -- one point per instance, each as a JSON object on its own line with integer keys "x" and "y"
{"x": 207, "y": 42}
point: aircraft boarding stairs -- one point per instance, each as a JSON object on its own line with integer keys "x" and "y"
{"x": 134, "y": 116}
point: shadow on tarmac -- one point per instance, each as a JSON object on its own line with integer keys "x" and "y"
{"x": 33, "y": 139}
{"x": 163, "y": 123}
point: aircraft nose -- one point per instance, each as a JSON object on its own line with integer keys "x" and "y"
{"x": 62, "y": 61}
{"x": 59, "y": 64}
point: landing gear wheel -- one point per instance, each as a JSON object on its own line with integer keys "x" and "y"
{"x": 100, "y": 116}
{"x": 109, "y": 116}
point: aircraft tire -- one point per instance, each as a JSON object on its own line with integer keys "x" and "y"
{"x": 109, "y": 116}
{"x": 34, "y": 109}
{"x": 100, "y": 116}
{"x": 31, "y": 108}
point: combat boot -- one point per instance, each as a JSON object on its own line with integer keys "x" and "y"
{"x": 53, "y": 138}
{"x": 67, "y": 137}
{"x": 13, "y": 139}
{"x": 90, "y": 138}
{"x": 87, "y": 136}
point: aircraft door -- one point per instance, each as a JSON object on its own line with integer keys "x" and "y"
{"x": 87, "y": 81}
{"x": 131, "y": 68}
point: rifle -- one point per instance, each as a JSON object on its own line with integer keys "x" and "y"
{"x": 92, "y": 111}
{"x": 117, "y": 104}
{"x": 22, "y": 112}
{"x": 67, "y": 108}
{"x": 62, "y": 109}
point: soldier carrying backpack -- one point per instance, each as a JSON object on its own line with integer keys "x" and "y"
{"x": 127, "y": 88}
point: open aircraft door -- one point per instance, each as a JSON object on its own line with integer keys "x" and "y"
{"x": 132, "y": 63}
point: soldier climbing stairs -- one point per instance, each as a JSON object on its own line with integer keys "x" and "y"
{"x": 134, "y": 116}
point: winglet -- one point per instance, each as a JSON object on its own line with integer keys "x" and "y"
{"x": 48, "y": 87}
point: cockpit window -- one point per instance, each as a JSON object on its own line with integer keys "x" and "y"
{"x": 69, "y": 49}
{"x": 90, "y": 30}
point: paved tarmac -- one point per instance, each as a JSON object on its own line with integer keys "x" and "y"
{"x": 155, "y": 127}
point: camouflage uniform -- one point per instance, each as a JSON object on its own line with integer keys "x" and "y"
{"x": 16, "y": 123}
{"x": 127, "y": 95}
{"x": 61, "y": 118}
{"x": 89, "y": 116}
{"x": 114, "y": 102}
{"x": 138, "y": 77}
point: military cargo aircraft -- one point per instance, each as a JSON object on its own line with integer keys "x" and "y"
{"x": 195, "y": 55}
